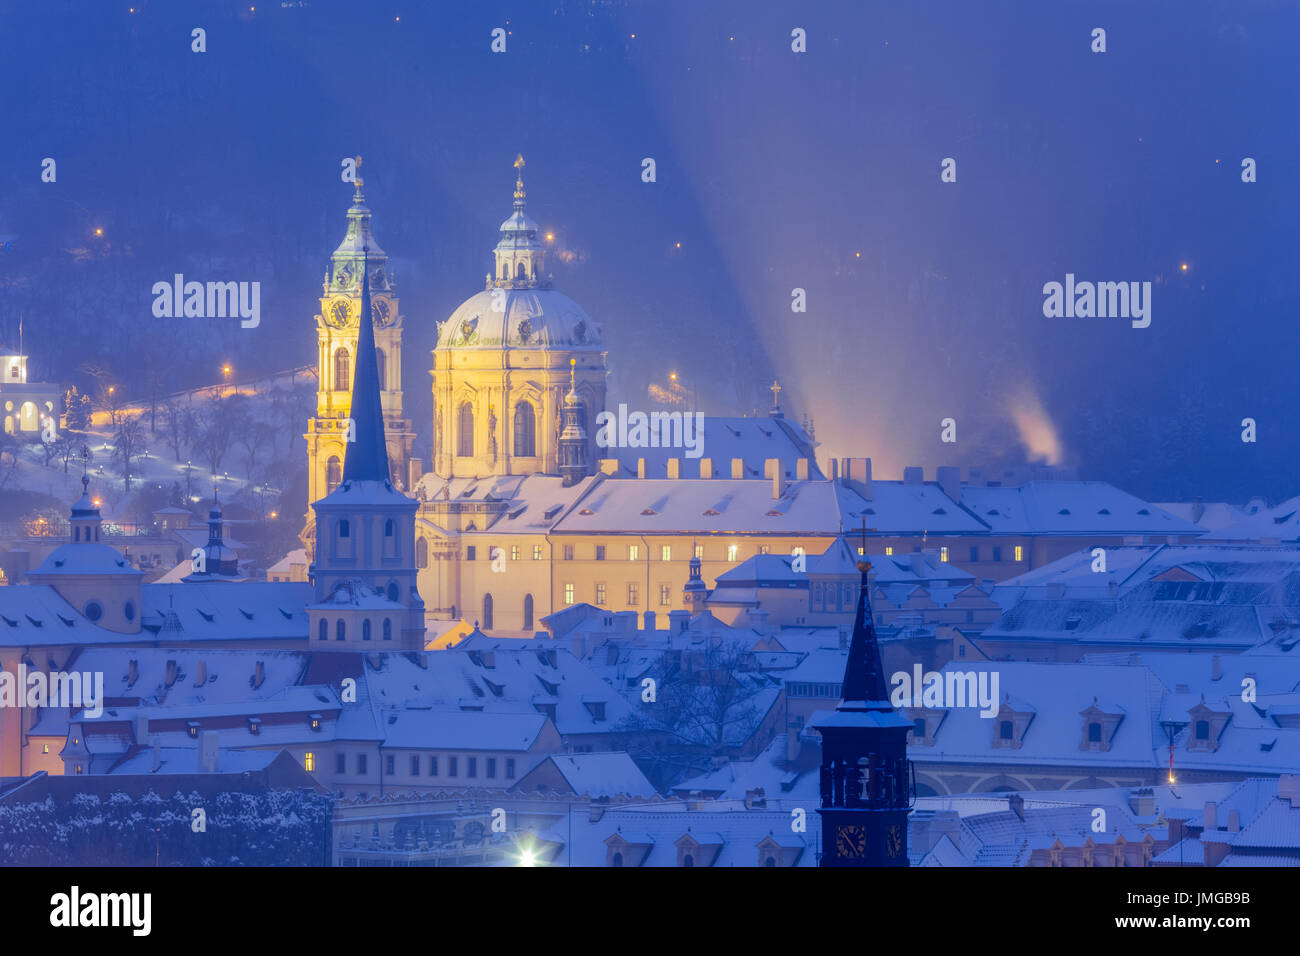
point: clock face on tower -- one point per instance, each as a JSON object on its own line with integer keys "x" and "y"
{"x": 337, "y": 315}
{"x": 851, "y": 842}
{"x": 894, "y": 840}
{"x": 382, "y": 312}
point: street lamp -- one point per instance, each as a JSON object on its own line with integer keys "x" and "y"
{"x": 225, "y": 371}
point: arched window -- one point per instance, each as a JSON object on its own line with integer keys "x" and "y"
{"x": 487, "y": 612}
{"x": 525, "y": 431}
{"x": 345, "y": 528}
{"x": 340, "y": 631}
{"x": 465, "y": 430}
{"x": 528, "y": 612}
{"x": 365, "y": 629}
{"x": 770, "y": 861}
{"x": 1005, "y": 731}
{"x": 333, "y": 473}
{"x": 521, "y": 272}
{"x": 393, "y": 593}
{"x": 342, "y": 370}
{"x": 422, "y": 552}
{"x": 1094, "y": 732}
{"x": 688, "y": 860}
{"x": 618, "y": 859}
{"x": 382, "y": 359}
{"x": 389, "y": 528}
{"x": 1202, "y": 730}
{"x": 388, "y": 629}
{"x": 505, "y": 270}
{"x": 76, "y": 534}
{"x": 323, "y": 629}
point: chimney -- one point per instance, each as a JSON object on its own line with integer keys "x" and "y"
{"x": 595, "y": 812}
{"x": 1216, "y": 667}
{"x": 835, "y": 469}
{"x": 1017, "y": 804}
{"x": 132, "y": 672}
{"x": 625, "y": 622}
{"x": 157, "y": 756}
{"x": 706, "y": 467}
{"x": 1288, "y": 788}
{"x": 775, "y": 470}
{"x": 1142, "y": 801}
{"x": 949, "y": 479}
{"x": 674, "y": 467}
{"x": 141, "y": 724}
{"x": 913, "y": 475}
{"x": 259, "y": 674}
{"x": 677, "y": 621}
{"x": 844, "y": 638}
{"x": 414, "y": 472}
{"x": 578, "y": 646}
{"x": 859, "y": 470}
{"x": 737, "y": 468}
{"x": 640, "y": 467}
{"x": 608, "y": 466}
{"x": 208, "y": 751}
{"x": 171, "y": 673}
{"x": 650, "y": 620}
{"x": 201, "y": 677}
{"x": 756, "y": 798}
{"x": 801, "y": 469}
{"x": 1211, "y": 816}
{"x": 1234, "y": 820}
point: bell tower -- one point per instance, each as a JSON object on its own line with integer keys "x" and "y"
{"x": 337, "y": 332}
{"x": 865, "y": 775}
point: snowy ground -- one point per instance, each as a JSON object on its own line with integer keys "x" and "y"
{"x": 265, "y": 446}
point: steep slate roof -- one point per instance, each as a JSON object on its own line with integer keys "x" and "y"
{"x": 754, "y": 440}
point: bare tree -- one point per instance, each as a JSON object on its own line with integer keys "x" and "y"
{"x": 128, "y": 444}
{"x": 217, "y": 431}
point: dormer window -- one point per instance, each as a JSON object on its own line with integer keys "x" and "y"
{"x": 1006, "y": 730}
{"x": 1203, "y": 730}
{"x": 1094, "y": 732}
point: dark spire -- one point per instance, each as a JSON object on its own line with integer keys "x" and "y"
{"x": 214, "y": 520}
{"x": 865, "y": 687}
{"x": 366, "y": 458}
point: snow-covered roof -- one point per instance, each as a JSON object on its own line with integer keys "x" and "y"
{"x": 612, "y": 774}
{"x": 753, "y": 440}
{"x": 1069, "y": 508}
{"x": 453, "y": 730}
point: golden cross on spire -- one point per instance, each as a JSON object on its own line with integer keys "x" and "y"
{"x": 358, "y": 182}
{"x": 775, "y": 388}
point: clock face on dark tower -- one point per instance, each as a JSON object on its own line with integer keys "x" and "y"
{"x": 382, "y": 312}
{"x": 851, "y": 842}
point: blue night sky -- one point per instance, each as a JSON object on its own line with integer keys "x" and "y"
{"x": 775, "y": 170}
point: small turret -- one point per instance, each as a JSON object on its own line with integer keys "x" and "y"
{"x": 573, "y": 438}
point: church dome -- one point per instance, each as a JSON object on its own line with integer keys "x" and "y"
{"x": 518, "y": 308}
{"x": 527, "y": 318}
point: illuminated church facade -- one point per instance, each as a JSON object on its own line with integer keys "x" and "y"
{"x": 337, "y": 331}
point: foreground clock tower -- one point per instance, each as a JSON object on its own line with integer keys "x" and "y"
{"x": 337, "y": 328}
{"x": 865, "y": 776}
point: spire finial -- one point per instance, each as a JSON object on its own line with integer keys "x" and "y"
{"x": 358, "y": 182}
{"x": 519, "y": 181}
{"x": 573, "y": 362}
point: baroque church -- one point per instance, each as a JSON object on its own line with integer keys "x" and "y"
{"x": 518, "y": 380}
